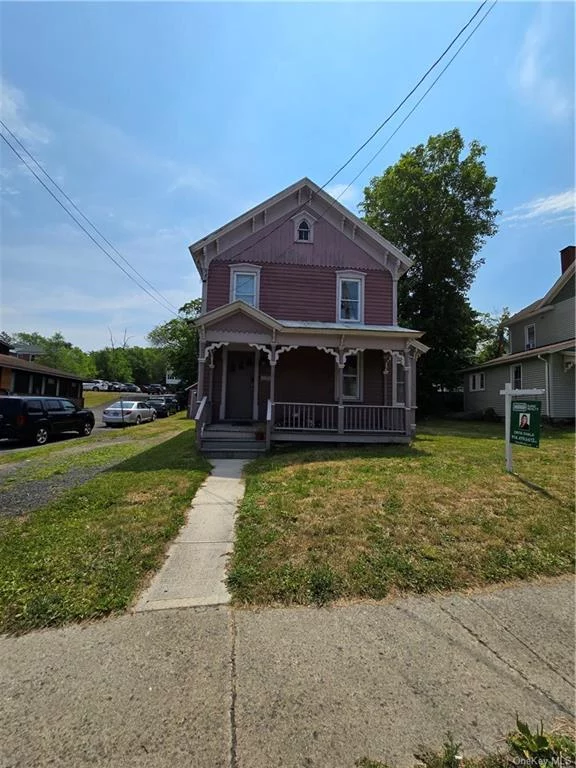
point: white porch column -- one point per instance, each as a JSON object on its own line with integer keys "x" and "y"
{"x": 256, "y": 385}
{"x": 408, "y": 383}
{"x": 201, "y": 353}
{"x": 222, "y": 413}
{"x": 211, "y": 377}
{"x": 341, "y": 364}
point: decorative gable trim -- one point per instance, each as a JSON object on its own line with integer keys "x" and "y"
{"x": 237, "y": 306}
{"x": 304, "y": 193}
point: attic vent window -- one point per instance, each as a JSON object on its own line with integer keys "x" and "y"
{"x": 304, "y": 231}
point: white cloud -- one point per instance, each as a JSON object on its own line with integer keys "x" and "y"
{"x": 343, "y": 193}
{"x": 533, "y": 76}
{"x": 552, "y": 209}
{"x": 13, "y": 110}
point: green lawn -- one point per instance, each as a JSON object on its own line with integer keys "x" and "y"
{"x": 94, "y": 399}
{"x": 317, "y": 525}
{"x": 88, "y": 554}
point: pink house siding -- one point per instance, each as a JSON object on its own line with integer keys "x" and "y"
{"x": 317, "y": 386}
{"x": 304, "y": 292}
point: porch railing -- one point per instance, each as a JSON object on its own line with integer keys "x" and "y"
{"x": 201, "y": 418}
{"x": 323, "y": 417}
{"x": 374, "y": 418}
{"x": 303, "y": 417}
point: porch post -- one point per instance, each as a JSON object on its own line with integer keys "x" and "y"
{"x": 340, "y": 395}
{"x": 256, "y": 385}
{"x": 211, "y": 376}
{"x": 222, "y": 413}
{"x": 408, "y": 392}
{"x": 200, "y": 391}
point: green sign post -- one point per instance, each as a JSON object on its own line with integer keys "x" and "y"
{"x": 525, "y": 423}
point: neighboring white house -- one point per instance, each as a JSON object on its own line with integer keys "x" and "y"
{"x": 542, "y": 353}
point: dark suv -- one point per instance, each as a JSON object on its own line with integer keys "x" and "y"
{"x": 34, "y": 419}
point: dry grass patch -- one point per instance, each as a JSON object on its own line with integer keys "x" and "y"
{"x": 440, "y": 514}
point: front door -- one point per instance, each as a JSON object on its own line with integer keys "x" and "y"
{"x": 240, "y": 385}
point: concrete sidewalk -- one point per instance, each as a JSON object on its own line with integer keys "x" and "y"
{"x": 216, "y": 687}
{"x": 195, "y": 568}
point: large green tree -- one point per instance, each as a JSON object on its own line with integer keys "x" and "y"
{"x": 493, "y": 338}
{"x": 178, "y": 339}
{"x": 436, "y": 204}
{"x": 59, "y": 353}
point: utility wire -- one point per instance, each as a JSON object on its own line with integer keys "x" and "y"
{"x": 405, "y": 99}
{"x": 83, "y": 228}
{"x": 390, "y": 116}
{"x": 420, "y": 100}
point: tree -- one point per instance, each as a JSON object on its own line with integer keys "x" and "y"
{"x": 178, "y": 339}
{"x": 436, "y": 204}
{"x": 59, "y": 353}
{"x": 492, "y": 334}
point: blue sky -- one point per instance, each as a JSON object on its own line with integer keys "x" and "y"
{"x": 163, "y": 121}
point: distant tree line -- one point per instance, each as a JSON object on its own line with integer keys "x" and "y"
{"x": 174, "y": 347}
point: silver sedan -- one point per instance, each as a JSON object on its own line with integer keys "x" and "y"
{"x": 127, "y": 412}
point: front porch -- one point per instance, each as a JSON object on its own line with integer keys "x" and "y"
{"x": 255, "y": 396}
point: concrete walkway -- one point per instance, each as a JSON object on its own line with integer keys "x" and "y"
{"x": 288, "y": 688}
{"x": 195, "y": 569}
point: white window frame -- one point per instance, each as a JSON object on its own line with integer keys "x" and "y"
{"x": 513, "y": 377}
{"x": 396, "y": 367}
{"x": 350, "y": 275}
{"x": 245, "y": 269}
{"x": 310, "y": 220}
{"x": 478, "y": 382}
{"x": 359, "y": 378}
{"x": 527, "y": 344}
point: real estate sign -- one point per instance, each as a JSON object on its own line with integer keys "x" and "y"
{"x": 525, "y": 423}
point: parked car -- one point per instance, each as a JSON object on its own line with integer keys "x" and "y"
{"x": 115, "y": 386}
{"x": 172, "y": 402}
{"x": 160, "y": 405}
{"x": 36, "y": 419}
{"x": 96, "y": 385}
{"x": 155, "y": 389}
{"x": 130, "y": 388}
{"x": 127, "y": 412}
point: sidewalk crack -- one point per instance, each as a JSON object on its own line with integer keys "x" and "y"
{"x": 233, "y": 691}
{"x": 521, "y": 674}
{"x": 519, "y": 640}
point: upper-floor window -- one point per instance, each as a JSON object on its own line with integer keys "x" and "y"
{"x": 350, "y": 298}
{"x": 303, "y": 228}
{"x": 516, "y": 377}
{"x": 530, "y": 336}
{"x": 477, "y": 382}
{"x": 245, "y": 284}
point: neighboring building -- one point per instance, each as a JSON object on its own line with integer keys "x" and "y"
{"x": 542, "y": 353}
{"x": 298, "y": 330}
{"x": 21, "y": 377}
{"x": 28, "y": 352}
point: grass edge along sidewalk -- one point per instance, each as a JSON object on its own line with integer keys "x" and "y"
{"x": 88, "y": 553}
{"x": 371, "y": 522}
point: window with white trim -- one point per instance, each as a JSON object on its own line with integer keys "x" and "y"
{"x": 304, "y": 231}
{"x": 477, "y": 382}
{"x": 245, "y": 284}
{"x": 400, "y": 382}
{"x": 350, "y": 297}
{"x": 530, "y": 336}
{"x": 351, "y": 378}
{"x": 304, "y": 228}
{"x": 516, "y": 377}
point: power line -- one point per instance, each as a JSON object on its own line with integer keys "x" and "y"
{"x": 420, "y": 100}
{"x": 390, "y": 116}
{"x": 83, "y": 228}
{"x": 405, "y": 99}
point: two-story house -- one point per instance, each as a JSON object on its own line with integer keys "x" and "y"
{"x": 299, "y": 338}
{"x": 541, "y": 353}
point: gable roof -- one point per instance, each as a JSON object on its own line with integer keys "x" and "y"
{"x": 332, "y": 205}
{"x": 558, "y": 346}
{"x": 543, "y": 304}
